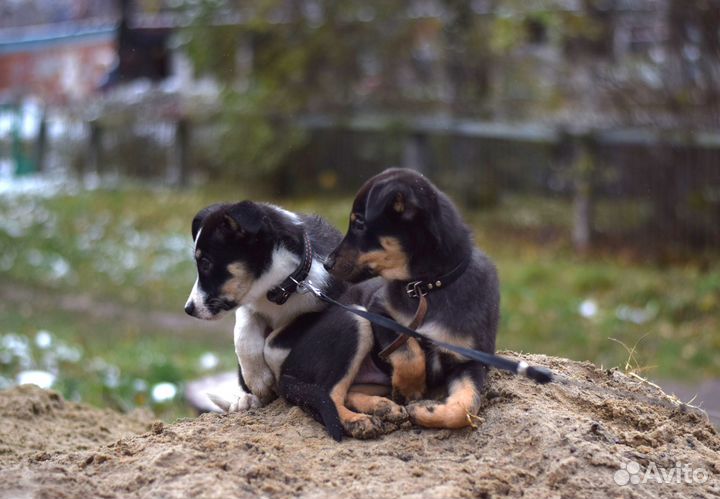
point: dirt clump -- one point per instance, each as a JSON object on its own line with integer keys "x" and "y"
{"x": 579, "y": 437}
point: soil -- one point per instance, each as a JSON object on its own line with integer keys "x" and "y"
{"x": 565, "y": 439}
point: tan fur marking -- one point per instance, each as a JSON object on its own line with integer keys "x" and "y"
{"x": 453, "y": 413}
{"x": 362, "y": 402}
{"x": 384, "y": 408}
{"x": 239, "y": 284}
{"x": 353, "y": 216}
{"x": 408, "y": 377}
{"x": 391, "y": 262}
{"x": 198, "y": 253}
{"x": 357, "y": 425}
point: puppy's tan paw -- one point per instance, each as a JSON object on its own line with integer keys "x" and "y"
{"x": 364, "y": 427}
{"x": 418, "y": 412}
{"x": 390, "y": 412}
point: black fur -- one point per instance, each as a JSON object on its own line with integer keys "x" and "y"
{"x": 314, "y": 399}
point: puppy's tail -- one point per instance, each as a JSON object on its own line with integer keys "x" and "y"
{"x": 314, "y": 399}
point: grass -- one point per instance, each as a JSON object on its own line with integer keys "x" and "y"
{"x": 131, "y": 246}
{"x": 109, "y": 362}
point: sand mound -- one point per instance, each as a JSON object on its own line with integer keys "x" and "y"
{"x": 561, "y": 440}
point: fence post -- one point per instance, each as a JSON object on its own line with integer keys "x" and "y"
{"x": 583, "y": 166}
{"x": 576, "y": 155}
{"x": 41, "y": 142}
{"x": 415, "y": 152}
{"x": 94, "y": 151}
{"x": 180, "y": 165}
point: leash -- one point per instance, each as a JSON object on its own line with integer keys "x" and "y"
{"x": 538, "y": 374}
{"x": 416, "y": 322}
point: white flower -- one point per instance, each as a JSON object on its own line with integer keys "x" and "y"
{"x": 208, "y": 361}
{"x": 43, "y": 339}
{"x": 43, "y": 379}
{"x": 588, "y": 308}
{"x": 164, "y": 392}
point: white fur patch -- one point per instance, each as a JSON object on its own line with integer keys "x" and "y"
{"x": 284, "y": 263}
{"x": 275, "y": 356}
{"x": 198, "y": 297}
{"x": 242, "y": 402}
{"x": 245, "y": 401}
{"x": 249, "y": 336}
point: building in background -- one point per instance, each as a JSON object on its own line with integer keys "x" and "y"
{"x": 60, "y": 52}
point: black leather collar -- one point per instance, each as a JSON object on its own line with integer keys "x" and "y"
{"x": 416, "y": 289}
{"x": 280, "y": 293}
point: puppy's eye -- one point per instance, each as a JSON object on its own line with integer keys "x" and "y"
{"x": 358, "y": 223}
{"x": 204, "y": 265}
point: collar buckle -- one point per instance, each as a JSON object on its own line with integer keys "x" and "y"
{"x": 415, "y": 289}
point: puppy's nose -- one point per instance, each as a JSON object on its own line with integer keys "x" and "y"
{"x": 329, "y": 262}
{"x": 190, "y": 308}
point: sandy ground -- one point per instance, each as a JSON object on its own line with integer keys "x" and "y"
{"x": 566, "y": 439}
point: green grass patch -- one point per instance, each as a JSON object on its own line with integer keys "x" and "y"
{"x": 112, "y": 363}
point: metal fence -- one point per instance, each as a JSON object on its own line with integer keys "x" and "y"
{"x": 674, "y": 175}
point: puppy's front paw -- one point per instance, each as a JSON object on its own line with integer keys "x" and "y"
{"x": 243, "y": 402}
{"x": 419, "y": 412}
{"x": 363, "y": 427}
{"x": 389, "y": 411}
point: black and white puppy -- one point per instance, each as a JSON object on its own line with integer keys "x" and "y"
{"x": 300, "y": 350}
{"x": 406, "y": 230}
{"x": 242, "y": 250}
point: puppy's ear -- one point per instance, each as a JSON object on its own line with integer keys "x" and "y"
{"x": 398, "y": 200}
{"x": 202, "y": 215}
{"x": 244, "y": 218}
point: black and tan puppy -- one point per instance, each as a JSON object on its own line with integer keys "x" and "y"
{"x": 406, "y": 230}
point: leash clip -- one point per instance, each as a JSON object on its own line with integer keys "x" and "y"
{"x": 306, "y": 286}
{"x": 415, "y": 290}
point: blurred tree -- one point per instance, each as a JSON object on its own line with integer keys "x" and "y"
{"x": 587, "y": 63}
{"x": 283, "y": 59}
{"x": 469, "y": 59}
